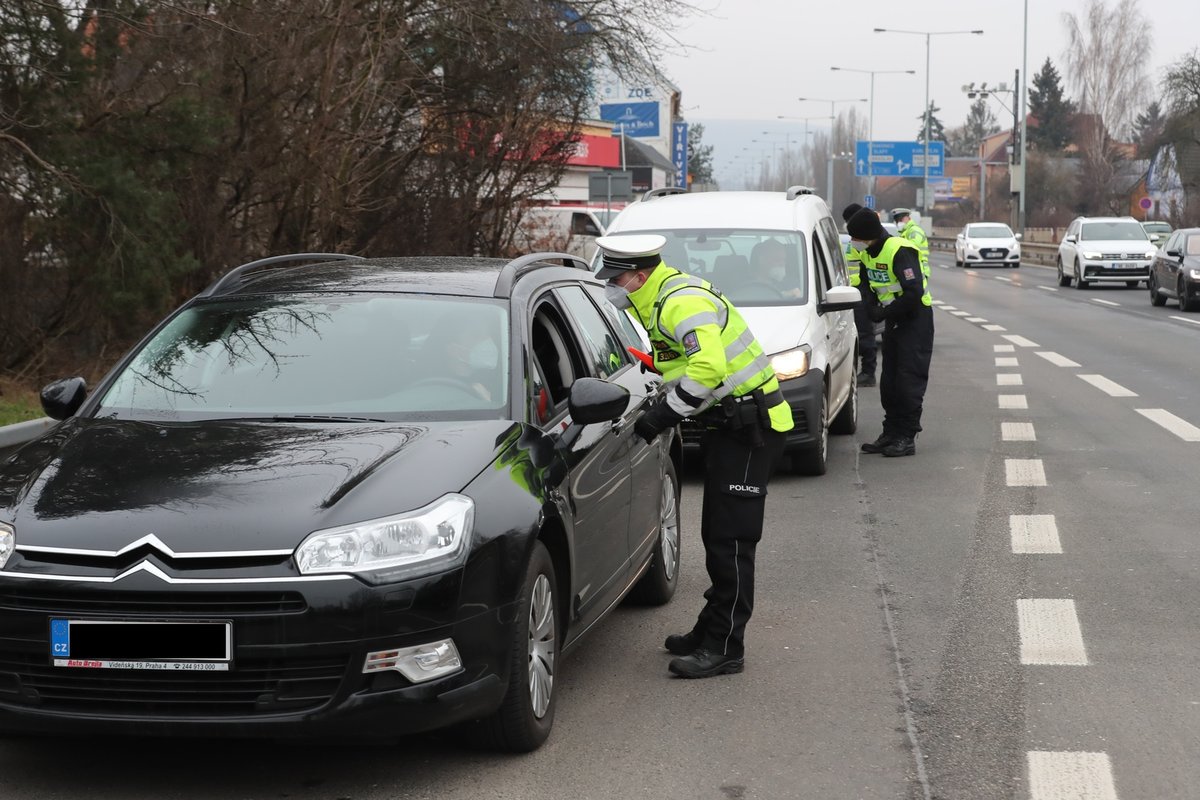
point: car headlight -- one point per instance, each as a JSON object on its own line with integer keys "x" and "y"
{"x": 8, "y": 543}
{"x": 427, "y": 540}
{"x": 1148, "y": 256}
{"x": 1195, "y": 273}
{"x": 1093, "y": 256}
{"x": 791, "y": 363}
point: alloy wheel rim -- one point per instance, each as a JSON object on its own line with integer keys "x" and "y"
{"x": 541, "y": 646}
{"x": 669, "y": 525}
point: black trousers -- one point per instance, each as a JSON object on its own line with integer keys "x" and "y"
{"x": 867, "y": 346}
{"x": 735, "y": 496}
{"x": 907, "y": 350}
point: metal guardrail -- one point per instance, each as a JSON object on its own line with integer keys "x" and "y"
{"x": 13, "y": 436}
{"x": 1031, "y": 252}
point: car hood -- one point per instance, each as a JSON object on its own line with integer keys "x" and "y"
{"x": 231, "y": 485}
{"x": 778, "y": 328}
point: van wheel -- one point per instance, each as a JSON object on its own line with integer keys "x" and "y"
{"x": 813, "y": 459}
{"x": 846, "y": 421}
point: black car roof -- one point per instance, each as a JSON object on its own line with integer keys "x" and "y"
{"x": 448, "y": 275}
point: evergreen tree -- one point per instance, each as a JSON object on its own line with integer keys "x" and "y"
{"x": 1148, "y": 129}
{"x": 700, "y": 164}
{"x": 981, "y": 123}
{"x": 1052, "y": 111}
{"x": 937, "y": 131}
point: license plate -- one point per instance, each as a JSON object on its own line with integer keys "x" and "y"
{"x": 991, "y": 253}
{"x": 1122, "y": 265}
{"x": 203, "y": 646}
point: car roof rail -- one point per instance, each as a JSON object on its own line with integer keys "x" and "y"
{"x": 795, "y": 191}
{"x": 234, "y": 275}
{"x": 663, "y": 191}
{"x": 523, "y": 265}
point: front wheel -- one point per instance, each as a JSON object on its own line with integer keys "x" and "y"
{"x": 1157, "y": 298}
{"x": 1063, "y": 280}
{"x": 814, "y": 459}
{"x": 657, "y": 586}
{"x": 1186, "y": 302}
{"x": 524, "y": 719}
{"x": 1080, "y": 283}
{"x": 846, "y": 421}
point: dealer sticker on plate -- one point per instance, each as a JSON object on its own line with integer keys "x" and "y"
{"x": 202, "y": 646}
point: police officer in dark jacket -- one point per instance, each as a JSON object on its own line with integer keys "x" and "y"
{"x": 868, "y": 348}
{"x": 717, "y": 373}
{"x": 892, "y": 267}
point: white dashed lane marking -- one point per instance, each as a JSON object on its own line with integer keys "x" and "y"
{"x": 1108, "y": 387}
{"x": 1070, "y": 776}
{"x": 1180, "y": 427}
{"x": 994, "y": 328}
{"x": 1049, "y": 288}
{"x": 948, "y": 308}
{"x": 1013, "y": 401}
{"x": 1020, "y": 341}
{"x": 1017, "y": 432}
{"x": 1006, "y": 280}
{"x": 1024, "y": 472}
{"x": 1056, "y": 359}
{"x": 1007, "y": 362}
{"x": 976, "y": 319}
{"x": 1050, "y": 633}
{"x": 1003, "y": 348}
{"x": 1009, "y": 379}
{"x": 1034, "y": 534}
{"x": 961, "y": 313}
{"x": 1105, "y": 302}
{"x": 1185, "y": 319}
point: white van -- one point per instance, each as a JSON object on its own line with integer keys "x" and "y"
{"x": 804, "y": 319}
{"x": 561, "y": 229}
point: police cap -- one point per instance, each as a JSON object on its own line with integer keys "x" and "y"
{"x": 625, "y": 253}
{"x": 897, "y": 213}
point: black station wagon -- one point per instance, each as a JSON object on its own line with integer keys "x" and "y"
{"x": 330, "y": 495}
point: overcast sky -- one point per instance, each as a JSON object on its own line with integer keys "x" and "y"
{"x": 748, "y": 60}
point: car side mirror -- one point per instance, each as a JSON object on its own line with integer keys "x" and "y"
{"x": 594, "y": 400}
{"x": 1018, "y": 235}
{"x": 1071, "y": 238}
{"x": 62, "y": 398}
{"x": 960, "y": 236}
{"x": 839, "y": 298}
{"x": 1175, "y": 253}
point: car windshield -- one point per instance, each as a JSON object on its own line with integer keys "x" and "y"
{"x": 372, "y": 357}
{"x": 1157, "y": 227}
{"x": 989, "y": 232}
{"x": 751, "y": 267}
{"x": 1112, "y": 232}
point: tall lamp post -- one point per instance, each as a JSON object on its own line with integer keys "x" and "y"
{"x": 983, "y": 90}
{"x": 833, "y": 119}
{"x": 925, "y": 204}
{"x": 871, "y": 115}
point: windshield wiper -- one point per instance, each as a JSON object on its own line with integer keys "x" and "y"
{"x": 322, "y": 418}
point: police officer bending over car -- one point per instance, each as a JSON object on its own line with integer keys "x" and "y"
{"x": 892, "y": 267}
{"x": 716, "y": 373}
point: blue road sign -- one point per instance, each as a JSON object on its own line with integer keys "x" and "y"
{"x": 869, "y": 201}
{"x": 635, "y": 119}
{"x": 679, "y": 152}
{"x": 899, "y": 159}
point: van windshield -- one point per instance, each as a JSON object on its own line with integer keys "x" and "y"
{"x": 750, "y": 267}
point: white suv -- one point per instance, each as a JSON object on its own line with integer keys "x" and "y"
{"x": 1104, "y": 250}
{"x": 803, "y": 317}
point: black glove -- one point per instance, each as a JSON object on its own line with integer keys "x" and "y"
{"x": 876, "y": 312}
{"x": 655, "y": 420}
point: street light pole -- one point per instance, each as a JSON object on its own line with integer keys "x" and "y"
{"x": 871, "y": 115}
{"x": 1024, "y": 91}
{"x": 832, "y": 121}
{"x": 925, "y": 204}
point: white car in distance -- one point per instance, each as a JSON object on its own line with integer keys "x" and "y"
{"x": 981, "y": 244}
{"x": 1104, "y": 250}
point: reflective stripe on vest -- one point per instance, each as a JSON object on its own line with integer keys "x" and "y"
{"x": 882, "y": 277}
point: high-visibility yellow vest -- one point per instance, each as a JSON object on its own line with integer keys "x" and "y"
{"x": 854, "y": 264}
{"x": 881, "y": 275}
{"x": 702, "y": 345}
{"x": 913, "y": 233}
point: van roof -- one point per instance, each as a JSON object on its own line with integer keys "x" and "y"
{"x": 757, "y": 210}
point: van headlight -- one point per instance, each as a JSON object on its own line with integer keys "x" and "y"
{"x": 430, "y": 539}
{"x": 8, "y": 543}
{"x": 791, "y": 363}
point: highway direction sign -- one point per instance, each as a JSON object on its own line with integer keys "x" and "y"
{"x": 899, "y": 159}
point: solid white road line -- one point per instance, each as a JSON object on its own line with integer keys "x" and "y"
{"x": 1185, "y": 319}
{"x": 1003, "y": 348}
{"x": 1070, "y": 776}
{"x": 1008, "y": 362}
{"x": 1056, "y": 359}
{"x": 994, "y": 328}
{"x": 1180, "y": 427}
{"x": 1105, "y": 302}
{"x": 1050, "y": 633}
{"x": 961, "y": 313}
{"x": 1034, "y": 534}
{"x": 1049, "y": 288}
{"x": 1108, "y": 387}
{"x": 1024, "y": 472}
{"x": 1017, "y": 432}
{"x": 976, "y": 319}
{"x": 1020, "y": 341}
{"x": 1009, "y": 379}
{"x": 1013, "y": 401}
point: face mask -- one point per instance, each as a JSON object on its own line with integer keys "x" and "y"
{"x": 618, "y": 296}
{"x": 776, "y": 273}
{"x": 857, "y": 245}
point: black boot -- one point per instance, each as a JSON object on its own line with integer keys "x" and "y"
{"x": 866, "y": 378}
{"x": 877, "y": 446}
{"x": 705, "y": 664}
{"x": 682, "y": 644}
{"x": 900, "y": 446}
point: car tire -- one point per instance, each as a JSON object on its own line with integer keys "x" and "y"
{"x": 957, "y": 261}
{"x": 517, "y": 726}
{"x": 813, "y": 460}
{"x": 1063, "y": 280}
{"x": 1157, "y": 298}
{"x": 1080, "y": 283}
{"x": 657, "y": 586}
{"x": 846, "y": 421}
{"x": 1186, "y": 301}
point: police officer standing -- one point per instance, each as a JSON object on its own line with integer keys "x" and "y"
{"x": 892, "y": 267}
{"x": 715, "y": 372}
{"x": 914, "y": 233}
{"x": 868, "y": 348}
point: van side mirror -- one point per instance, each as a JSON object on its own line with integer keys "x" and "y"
{"x": 839, "y": 298}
